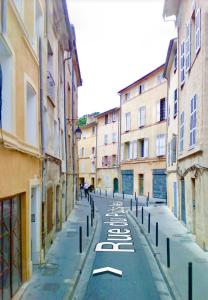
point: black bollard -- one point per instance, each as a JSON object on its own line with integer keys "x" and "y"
{"x": 135, "y": 196}
{"x": 136, "y": 209}
{"x": 189, "y": 281}
{"x": 94, "y": 190}
{"x": 123, "y": 195}
{"x": 168, "y": 252}
{"x": 156, "y": 239}
{"x": 131, "y": 204}
{"x": 91, "y": 219}
{"x": 113, "y": 194}
{"x": 93, "y": 209}
{"x": 106, "y": 193}
{"x": 80, "y": 239}
{"x": 87, "y": 226}
{"x": 100, "y": 192}
{"x": 148, "y": 222}
{"x": 81, "y": 193}
{"x": 142, "y": 215}
{"x": 147, "y": 201}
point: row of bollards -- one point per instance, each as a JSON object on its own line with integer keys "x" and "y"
{"x": 91, "y": 201}
{"x": 190, "y": 271}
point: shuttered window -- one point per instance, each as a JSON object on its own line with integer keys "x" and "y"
{"x": 182, "y": 70}
{"x": 175, "y": 110}
{"x": 173, "y": 150}
{"x": 134, "y": 149}
{"x": 114, "y": 137}
{"x": 160, "y": 145}
{"x": 188, "y": 46}
{"x": 161, "y": 110}
{"x": 181, "y": 147}
{"x": 197, "y": 30}
{"x": 141, "y": 116}
{"x": 105, "y": 139}
{"x": 127, "y": 121}
{"x": 193, "y": 122}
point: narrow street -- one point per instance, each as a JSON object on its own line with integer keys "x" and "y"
{"x": 122, "y": 247}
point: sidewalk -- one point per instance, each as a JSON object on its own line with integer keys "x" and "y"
{"x": 58, "y": 276}
{"x": 183, "y": 250}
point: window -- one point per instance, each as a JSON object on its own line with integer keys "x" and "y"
{"x": 169, "y": 154}
{"x": 143, "y": 148}
{"x": 193, "y": 122}
{"x": 198, "y": 30}
{"x": 182, "y": 72}
{"x": 84, "y": 134}
{"x": 175, "y": 60}
{"x": 141, "y": 116}
{"x": 6, "y": 115}
{"x": 50, "y": 74}
{"x": 141, "y": 88}
{"x": 106, "y": 119}
{"x": 105, "y": 139}
{"x": 129, "y": 150}
{"x": 114, "y": 116}
{"x": 173, "y": 150}
{"x": 105, "y": 161}
{"x": 114, "y": 161}
{"x": 181, "y": 132}
{"x": 175, "y": 110}
{"x": 93, "y": 131}
{"x": 82, "y": 152}
{"x": 127, "y": 96}
{"x": 19, "y": 5}
{"x": 160, "y": 145}
{"x": 93, "y": 150}
{"x": 31, "y": 115}
{"x": 38, "y": 23}
{"x": 188, "y": 46}
{"x": 127, "y": 121}
{"x": 114, "y": 137}
{"x": 161, "y": 110}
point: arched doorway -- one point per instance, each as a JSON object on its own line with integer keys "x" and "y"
{"x": 115, "y": 185}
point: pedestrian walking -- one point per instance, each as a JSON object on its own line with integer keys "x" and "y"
{"x": 86, "y": 189}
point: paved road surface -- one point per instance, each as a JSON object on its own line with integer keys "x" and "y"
{"x": 137, "y": 281}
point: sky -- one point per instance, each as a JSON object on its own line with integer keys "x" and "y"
{"x": 118, "y": 41}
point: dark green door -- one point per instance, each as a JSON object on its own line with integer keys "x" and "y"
{"x": 115, "y": 185}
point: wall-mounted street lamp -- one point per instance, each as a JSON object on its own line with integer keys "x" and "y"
{"x": 78, "y": 131}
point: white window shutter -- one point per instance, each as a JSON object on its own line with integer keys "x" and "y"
{"x": 135, "y": 150}
{"x": 131, "y": 150}
{"x": 139, "y": 117}
{"x": 146, "y": 147}
{"x": 162, "y": 144}
{"x": 188, "y": 47}
{"x": 157, "y": 146}
{"x": 144, "y": 115}
{"x": 198, "y": 30}
{"x": 158, "y": 112}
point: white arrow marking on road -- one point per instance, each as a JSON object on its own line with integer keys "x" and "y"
{"x": 107, "y": 269}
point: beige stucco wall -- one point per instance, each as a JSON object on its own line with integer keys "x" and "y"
{"x": 105, "y": 178}
{"x": 87, "y": 141}
{"x": 153, "y": 92}
{"x": 194, "y": 161}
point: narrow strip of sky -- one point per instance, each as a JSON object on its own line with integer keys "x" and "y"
{"x": 118, "y": 42}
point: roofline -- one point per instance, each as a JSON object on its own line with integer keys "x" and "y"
{"x": 108, "y": 111}
{"x": 89, "y": 125}
{"x": 141, "y": 79}
{"x": 170, "y": 47}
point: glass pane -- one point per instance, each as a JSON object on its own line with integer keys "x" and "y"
{"x": 16, "y": 242}
{"x": 6, "y": 249}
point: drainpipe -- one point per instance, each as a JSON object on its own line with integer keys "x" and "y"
{"x": 96, "y": 155}
{"x": 66, "y": 152}
{"x": 73, "y": 152}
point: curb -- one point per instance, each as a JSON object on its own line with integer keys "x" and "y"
{"x": 83, "y": 259}
{"x": 171, "y": 286}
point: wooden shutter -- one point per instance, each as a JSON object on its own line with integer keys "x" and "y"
{"x": 198, "y": 30}
{"x": 158, "y": 112}
{"x": 135, "y": 150}
{"x": 139, "y": 117}
{"x": 188, "y": 46}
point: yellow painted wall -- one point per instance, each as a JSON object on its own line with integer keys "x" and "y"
{"x": 20, "y": 162}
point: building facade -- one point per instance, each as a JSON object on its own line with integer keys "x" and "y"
{"x": 171, "y": 74}
{"x": 191, "y": 23}
{"x": 87, "y": 154}
{"x": 143, "y": 136}
{"x": 20, "y": 142}
{"x": 37, "y": 157}
{"x": 108, "y": 134}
